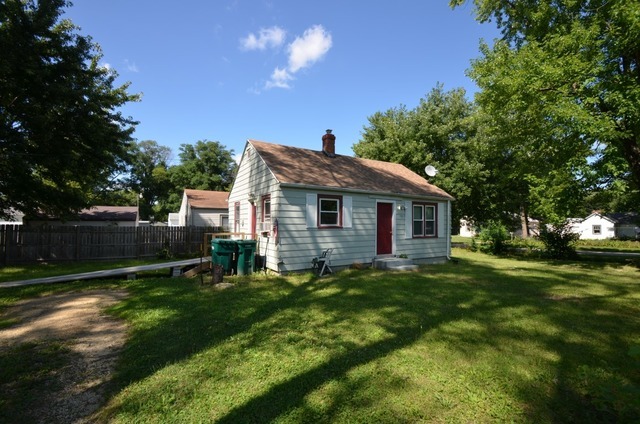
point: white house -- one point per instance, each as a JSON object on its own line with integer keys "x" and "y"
{"x": 468, "y": 229}
{"x": 606, "y": 226}
{"x": 300, "y": 202}
{"x": 204, "y": 208}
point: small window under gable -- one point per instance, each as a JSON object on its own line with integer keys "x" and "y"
{"x": 596, "y": 229}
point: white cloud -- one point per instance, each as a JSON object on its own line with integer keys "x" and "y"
{"x": 303, "y": 52}
{"x": 308, "y": 49}
{"x": 279, "y": 79}
{"x": 267, "y": 37}
{"x": 132, "y": 67}
{"x": 105, "y": 65}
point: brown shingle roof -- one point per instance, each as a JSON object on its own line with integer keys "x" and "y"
{"x": 207, "y": 199}
{"x": 296, "y": 166}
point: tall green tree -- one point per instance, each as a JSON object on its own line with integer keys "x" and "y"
{"x": 564, "y": 82}
{"x": 149, "y": 177}
{"x": 205, "y": 165}
{"x": 61, "y": 134}
{"x": 441, "y": 131}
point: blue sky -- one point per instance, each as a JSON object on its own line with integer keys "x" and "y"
{"x": 281, "y": 71}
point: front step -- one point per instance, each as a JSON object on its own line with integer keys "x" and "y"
{"x": 394, "y": 264}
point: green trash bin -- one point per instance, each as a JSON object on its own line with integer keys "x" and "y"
{"x": 246, "y": 256}
{"x": 222, "y": 253}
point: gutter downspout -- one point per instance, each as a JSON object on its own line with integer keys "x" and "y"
{"x": 449, "y": 230}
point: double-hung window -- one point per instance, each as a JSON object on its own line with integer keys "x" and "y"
{"x": 424, "y": 220}
{"x": 329, "y": 211}
{"x": 236, "y": 217}
{"x": 596, "y": 229}
{"x": 266, "y": 213}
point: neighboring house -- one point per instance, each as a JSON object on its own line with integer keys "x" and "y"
{"x": 97, "y": 216}
{"x": 467, "y": 229}
{"x": 204, "y": 208}
{"x": 606, "y": 226}
{"x": 15, "y": 218}
{"x": 627, "y": 224}
{"x": 301, "y": 202}
{"x": 174, "y": 219}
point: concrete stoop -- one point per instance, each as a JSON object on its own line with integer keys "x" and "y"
{"x": 394, "y": 264}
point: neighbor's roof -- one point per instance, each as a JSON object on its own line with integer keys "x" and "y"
{"x": 206, "y": 199}
{"x": 292, "y": 165}
{"x": 99, "y": 213}
{"x": 109, "y": 213}
{"x": 628, "y": 218}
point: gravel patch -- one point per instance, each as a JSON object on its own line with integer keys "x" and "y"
{"x": 93, "y": 341}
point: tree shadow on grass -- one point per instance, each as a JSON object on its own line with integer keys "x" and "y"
{"x": 184, "y": 319}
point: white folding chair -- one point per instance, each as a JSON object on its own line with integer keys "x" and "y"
{"x": 324, "y": 262}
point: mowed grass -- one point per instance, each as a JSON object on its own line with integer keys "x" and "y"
{"x": 482, "y": 339}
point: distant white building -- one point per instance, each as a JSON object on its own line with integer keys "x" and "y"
{"x": 467, "y": 229}
{"x": 174, "y": 219}
{"x": 14, "y": 219}
{"x": 606, "y": 226}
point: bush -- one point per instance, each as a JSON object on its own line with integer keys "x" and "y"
{"x": 559, "y": 241}
{"x": 494, "y": 237}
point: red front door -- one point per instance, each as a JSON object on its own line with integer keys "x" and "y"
{"x": 384, "y": 237}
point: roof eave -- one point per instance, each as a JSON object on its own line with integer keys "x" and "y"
{"x": 361, "y": 191}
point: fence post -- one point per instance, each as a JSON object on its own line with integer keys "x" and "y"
{"x": 77, "y": 250}
{"x": 3, "y": 239}
{"x": 137, "y": 241}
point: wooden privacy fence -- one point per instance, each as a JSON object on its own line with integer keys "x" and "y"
{"x": 24, "y": 244}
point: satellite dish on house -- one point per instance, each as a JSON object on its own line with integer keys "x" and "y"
{"x": 430, "y": 170}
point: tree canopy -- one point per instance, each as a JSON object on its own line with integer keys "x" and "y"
{"x": 206, "y": 165}
{"x": 148, "y": 176}
{"x": 61, "y": 134}
{"x": 564, "y": 83}
{"x": 441, "y": 131}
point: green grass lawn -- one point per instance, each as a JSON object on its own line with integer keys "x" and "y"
{"x": 632, "y": 246}
{"x": 482, "y": 339}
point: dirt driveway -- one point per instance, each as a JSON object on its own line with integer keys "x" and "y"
{"x": 92, "y": 342}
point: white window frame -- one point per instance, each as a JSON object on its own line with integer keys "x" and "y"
{"x": 338, "y": 210}
{"x": 312, "y": 217}
{"x": 423, "y": 219}
{"x": 265, "y": 218}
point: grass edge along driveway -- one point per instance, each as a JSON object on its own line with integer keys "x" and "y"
{"x": 486, "y": 339}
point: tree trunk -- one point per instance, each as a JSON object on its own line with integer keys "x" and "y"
{"x": 524, "y": 222}
{"x": 632, "y": 155}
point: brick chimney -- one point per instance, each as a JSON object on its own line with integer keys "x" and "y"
{"x": 329, "y": 144}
